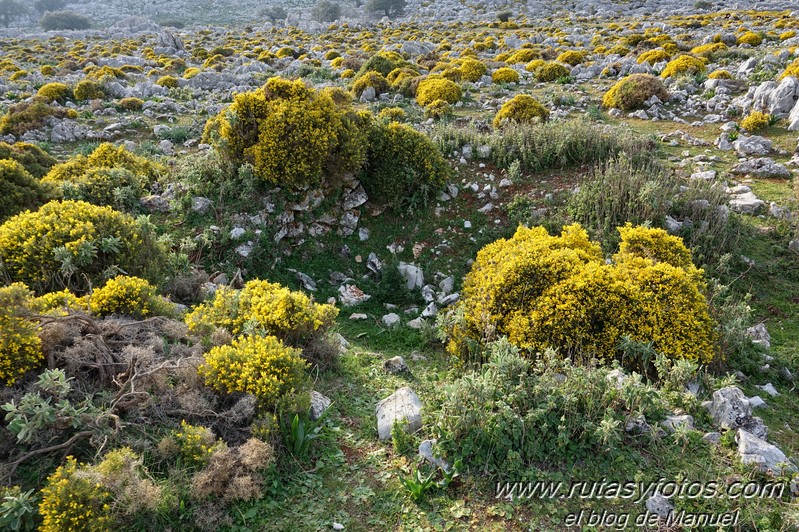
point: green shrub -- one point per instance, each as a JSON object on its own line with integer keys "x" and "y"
{"x": 543, "y": 291}
{"x": 293, "y": 136}
{"x": 514, "y": 416}
{"x": 54, "y": 92}
{"x": 438, "y": 109}
{"x": 404, "y": 167}
{"x": 64, "y": 20}
{"x": 618, "y": 192}
{"x": 631, "y": 92}
{"x": 131, "y": 104}
{"x": 521, "y": 108}
{"x": 115, "y": 187}
{"x": 382, "y": 62}
{"x": 27, "y": 116}
{"x": 261, "y": 366}
{"x": 34, "y": 159}
{"x": 547, "y": 146}
{"x": 432, "y": 89}
{"x": 20, "y": 346}
{"x": 19, "y": 190}
{"x": 74, "y": 243}
{"x": 326, "y": 11}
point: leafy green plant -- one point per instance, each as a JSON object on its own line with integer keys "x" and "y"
{"x": 18, "y": 509}
{"x": 301, "y": 431}
{"x": 416, "y": 484}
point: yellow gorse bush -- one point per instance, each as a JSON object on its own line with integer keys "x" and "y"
{"x": 20, "y": 345}
{"x": 557, "y": 291}
{"x": 107, "y": 156}
{"x": 262, "y": 366}
{"x": 432, "y": 89}
{"x": 71, "y": 243}
{"x": 521, "y": 108}
{"x": 71, "y": 501}
{"x": 130, "y": 296}
{"x": 289, "y": 315}
{"x": 293, "y": 135}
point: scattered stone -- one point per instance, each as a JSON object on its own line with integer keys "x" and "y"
{"x": 358, "y": 316}
{"x": 769, "y": 389}
{"x": 200, "y": 205}
{"x": 764, "y": 167}
{"x": 412, "y": 274}
{"x": 757, "y": 402}
{"x": 319, "y": 403}
{"x": 767, "y": 457}
{"x": 390, "y": 320}
{"x": 674, "y": 423}
{"x": 659, "y": 505}
{"x": 350, "y": 295}
{"x": 403, "y": 404}
{"x": 416, "y": 323}
{"x": 759, "y": 335}
{"x": 426, "y": 452}
{"x": 730, "y": 409}
{"x": 712, "y": 437}
{"x": 395, "y": 365}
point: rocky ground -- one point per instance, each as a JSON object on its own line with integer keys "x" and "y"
{"x": 335, "y": 244}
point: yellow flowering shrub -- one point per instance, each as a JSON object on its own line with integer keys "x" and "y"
{"x": 54, "y": 92}
{"x": 472, "y": 69}
{"x": 525, "y": 55}
{"x": 403, "y": 164}
{"x": 130, "y": 296}
{"x": 654, "y": 56}
{"x": 18, "y": 189}
{"x": 370, "y": 79}
{"x": 293, "y": 135}
{"x": 572, "y": 57}
{"x": 432, "y": 89}
{"x": 709, "y": 50}
{"x": 632, "y": 91}
{"x": 70, "y": 501}
{"x": 278, "y": 311}
{"x": 397, "y": 114}
{"x": 191, "y": 72}
{"x": 438, "y": 109}
{"x": 756, "y": 121}
{"x": 262, "y": 366}
{"x": 34, "y": 159}
{"x": 131, "y": 104}
{"x": 791, "y": 70}
{"x": 57, "y": 303}
{"x": 720, "y": 74}
{"x": 683, "y": 65}
{"x": 551, "y": 71}
{"x": 505, "y": 75}
{"x": 751, "y": 38}
{"x": 71, "y": 243}
{"x": 534, "y": 65}
{"x": 20, "y": 346}
{"x": 521, "y": 108}
{"x": 194, "y": 443}
{"x": 105, "y": 156}
{"x": 557, "y": 291}
{"x": 169, "y": 82}
{"x": 88, "y": 89}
